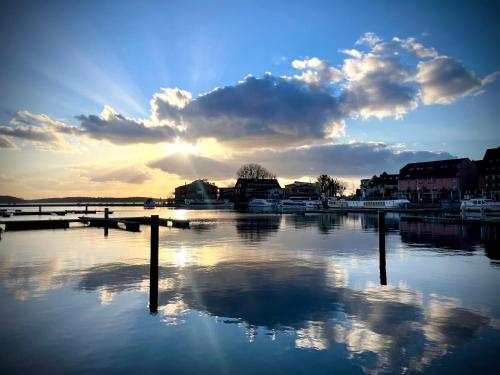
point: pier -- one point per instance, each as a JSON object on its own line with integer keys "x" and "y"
{"x": 131, "y": 224}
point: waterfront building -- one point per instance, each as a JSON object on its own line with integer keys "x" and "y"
{"x": 489, "y": 173}
{"x": 199, "y": 190}
{"x": 436, "y": 181}
{"x": 261, "y": 188}
{"x": 304, "y": 190}
{"x": 383, "y": 186}
{"x": 226, "y": 193}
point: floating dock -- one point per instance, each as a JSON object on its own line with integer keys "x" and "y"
{"x": 132, "y": 224}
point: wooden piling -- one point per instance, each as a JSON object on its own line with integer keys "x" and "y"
{"x": 106, "y": 224}
{"x": 39, "y": 209}
{"x": 381, "y": 247}
{"x": 153, "y": 265}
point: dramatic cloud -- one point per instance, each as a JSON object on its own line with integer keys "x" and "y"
{"x": 378, "y": 86}
{"x": 40, "y": 130}
{"x": 443, "y": 80}
{"x": 263, "y": 111}
{"x": 121, "y": 130}
{"x": 193, "y": 167}
{"x": 377, "y": 79}
{"x": 352, "y": 159}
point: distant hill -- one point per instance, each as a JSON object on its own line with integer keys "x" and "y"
{"x": 10, "y": 199}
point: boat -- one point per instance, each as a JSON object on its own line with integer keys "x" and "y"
{"x": 390, "y": 203}
{"x": 292, "y": 204}
{"x": 149, "y": 203}
{"x": 337, "y": 203}
{"x": 207, "y": 204}
{"x": 476, "y": 204}
{"x": 257, "y": 204}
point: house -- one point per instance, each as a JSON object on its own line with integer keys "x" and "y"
{"x": 199, "y": 190}
{"x": 489, "y": 173}
{"x": 383, "y": 186}
{"x": 435, "y": 181}
{"x": 249, "y": 188}
{"x": 226, "y": 193}
{"x": 305, "y": 190}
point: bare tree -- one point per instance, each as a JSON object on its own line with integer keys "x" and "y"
{"x": 254, "y": 171}
{"x": 322, "y": 181}
{"x": 336, "y": 187}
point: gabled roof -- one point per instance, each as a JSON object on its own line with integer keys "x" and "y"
{"x": 428, "y": 169}
{"x": 492, "y": 153}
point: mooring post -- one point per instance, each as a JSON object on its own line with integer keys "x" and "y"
{"x": 464, "y": 212}
{"x": 483, "y": 213}
{"x": 381, "y": 247}
{"x": 106, "y": 218}
{"x": 153, "y": 266}
{"x": 86, "y": 208}
{"x": 39, "y": 210}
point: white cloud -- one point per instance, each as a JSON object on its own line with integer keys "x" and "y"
{"x": 443, "y": 80}
{"x": 369, "y": 39}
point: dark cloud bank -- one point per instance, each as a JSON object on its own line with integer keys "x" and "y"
{"x": 355, "y": 159}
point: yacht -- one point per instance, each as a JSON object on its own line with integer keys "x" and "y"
{"x": 149, "y": 203}
{"x": 477, "y": 204}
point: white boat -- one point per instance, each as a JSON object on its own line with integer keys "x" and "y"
{"x": 392, "y": 203}
{"x": 149, "y": 203}
{"x": 337, "y": 203}
{"x": 264, "y": 205}
{"x": 207, "y": 204}
{"x": 304, "y": 204}
{"x": 476, "y": 204}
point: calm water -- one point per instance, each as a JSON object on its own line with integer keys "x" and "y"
{"x": 247, "y": 294}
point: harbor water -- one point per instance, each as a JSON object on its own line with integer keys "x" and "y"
{"x": 251, "y": 293}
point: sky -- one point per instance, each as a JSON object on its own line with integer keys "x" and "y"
{"x": 126, "y": 98}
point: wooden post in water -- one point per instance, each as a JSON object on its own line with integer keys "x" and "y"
{"x": 381, "y": 247}
{"x": 39, "y": 210}
{"x": 153, "y": 266}
{"x": 86, "y": 208}
{"x": 106, "y": 218}
{"x": 483, "y": 213}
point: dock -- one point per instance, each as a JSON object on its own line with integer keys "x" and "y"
{"x": 131, "y": 224}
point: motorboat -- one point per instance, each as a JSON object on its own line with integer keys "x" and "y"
{"x": 207, "y": 204}
{"x": 149, "y": 203}
{"x": 476, "y": 204}
{"x": 257, "y": 204}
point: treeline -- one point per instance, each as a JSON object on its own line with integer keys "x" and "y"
{"x": 11, "y": 199}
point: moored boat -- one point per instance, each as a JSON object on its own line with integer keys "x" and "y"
{"x": 149, "y": 203}
{"x": 476, "y": 204}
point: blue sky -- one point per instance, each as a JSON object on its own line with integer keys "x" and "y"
{"x": 66, "y": 58}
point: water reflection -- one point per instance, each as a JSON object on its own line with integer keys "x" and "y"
{"x": 314, "y": 301}
{"x": 257, "y": 228}
{"x": 295, "y": 287}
